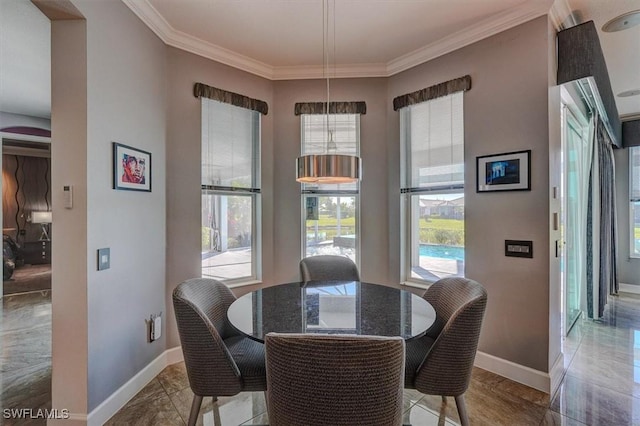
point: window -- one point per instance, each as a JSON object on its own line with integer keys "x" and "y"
{"x": 230, "y": 191}
{"x": 634, "y": 195}
{"x": 330, "y": 213}
{"x": 432, "y": 155}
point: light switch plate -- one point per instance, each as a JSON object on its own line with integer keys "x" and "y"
{"x": 518, "y": 248}
{"x": 104, "y": 259}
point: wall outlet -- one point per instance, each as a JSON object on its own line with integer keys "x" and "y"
{"x": 155, "y": 327}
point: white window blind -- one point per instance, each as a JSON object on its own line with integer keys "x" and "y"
{"x": 433, "y": 134}
{"x": 634, "y": 165}
{"x": 230, "y": 148}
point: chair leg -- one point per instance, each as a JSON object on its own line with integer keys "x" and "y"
{"x": 442, "y": 418}
{"x": 195, "y": 410}
{"x": 462, "y": 410}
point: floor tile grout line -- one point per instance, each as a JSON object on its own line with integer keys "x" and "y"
{"x": 173, "y": 404}
{"x": 254, "y": 417}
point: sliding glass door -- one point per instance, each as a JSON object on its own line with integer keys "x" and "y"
{"x": 576, "y": 165}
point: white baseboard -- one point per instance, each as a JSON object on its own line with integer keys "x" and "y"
{"x": 516, "y": 372}
{"x": 629, "y": 288}
{"x": 174, "y": 355}
{"x": 556, "y": 374}
{"x": 119, "y": 398}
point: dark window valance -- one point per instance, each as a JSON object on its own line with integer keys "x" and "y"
{"x": 202, "y": 90}
{"x": 580, "y": 57}
{"x": 432, "y": 92}
{"x": 334, "y": 108}
{"x": 631, "y": 133}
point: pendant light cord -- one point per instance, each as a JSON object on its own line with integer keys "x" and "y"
{"x": 334, "y": 66}
{"x": 325, "y": 48}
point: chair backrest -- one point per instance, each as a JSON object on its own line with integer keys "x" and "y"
{"x": 328, "y": 267}
{"x": 315, "y": 379}
{"x": 459, "y": 304}
{"x": 200, "y": 306}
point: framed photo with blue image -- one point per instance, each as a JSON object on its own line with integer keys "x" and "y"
{"x": 508, "y": 171}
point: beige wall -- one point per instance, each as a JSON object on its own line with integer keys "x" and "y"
{"x": 69, "y": 346}
{"x": 505, "y": 110}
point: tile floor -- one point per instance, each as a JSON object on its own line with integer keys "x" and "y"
{"x": 599, "y": 387}
{"x": 25, "y": 354}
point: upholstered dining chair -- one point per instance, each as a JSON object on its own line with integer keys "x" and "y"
{"x": 328, "y": 267}
{"x": 219, "y": 360}
{"x": 441, "y": 362}
{"x": 321, "y": 379}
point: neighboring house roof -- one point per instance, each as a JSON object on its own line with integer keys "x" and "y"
{"x": 457, "y": 201}
{"x": 441, "y": 203}
{"x": 430, "y": 203}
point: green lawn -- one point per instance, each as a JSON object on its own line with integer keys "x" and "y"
{"x": 326, "y": 221}
{"x": 435, "y": 231}
{"x": 438, "y": 223}
{"x": 442, "y": 231}
{"x": 327, "y": 227}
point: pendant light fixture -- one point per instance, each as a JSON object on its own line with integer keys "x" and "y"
{"x": 330, "y": 167}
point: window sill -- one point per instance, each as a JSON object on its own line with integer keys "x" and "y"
{"x": 237, "y": 284}
{"x": 423, "y": 285}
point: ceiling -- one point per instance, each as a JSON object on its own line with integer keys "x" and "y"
{"x": 282, "y": 39}
{"x": 279, "y": 39}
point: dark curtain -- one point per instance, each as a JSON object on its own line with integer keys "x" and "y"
{"x": 608, "y": 234}
{"x": 604, "y": 167}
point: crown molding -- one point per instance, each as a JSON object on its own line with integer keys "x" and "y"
{"x": 152, "y": 18}
{"x": 199, "y": 47}
{"x": 339, "y": 71}
{"x": 486, "y": 28}
{"x": 483, "y": 29}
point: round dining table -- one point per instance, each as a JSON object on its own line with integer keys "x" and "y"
{"x": 333, "y": 307}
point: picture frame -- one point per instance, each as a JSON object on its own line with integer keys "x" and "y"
{"x": 131, "y": 168}
{"x": 507, "y": 171}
